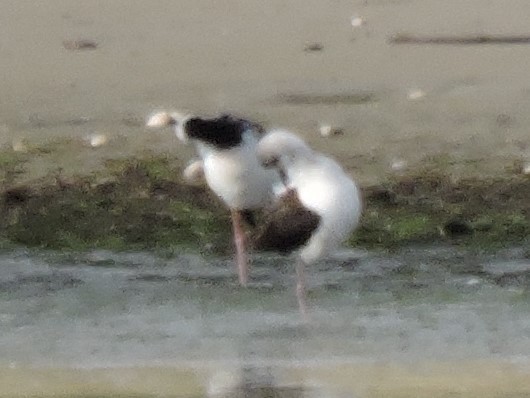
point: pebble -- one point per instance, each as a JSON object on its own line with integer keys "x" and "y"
{"x": 415, "y": 94}
{"x": 327, "y": 130}
{"x": 96, "y": 140}
{"x": 312, "y": 47}
{"x": 162, "y": 119}
{"x": 526, "y": 168}
{"x": 357, "y": 22}
{"x": 82, "y": 44}
{"x": 473, "y": 282}
{"x": 398, "y": 165}
{"x": 19, "y": 145}
{"x": 158, "y": 119}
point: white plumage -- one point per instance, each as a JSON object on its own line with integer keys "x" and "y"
{"x": 236, "y": 175}
{"x": 322, "y": 187}
{"x": 226, "y": 147}
{"x": 194, "y": 171}
{"x": 248, "y": 170}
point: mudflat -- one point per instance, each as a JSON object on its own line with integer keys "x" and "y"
{"x": 75, "y": 69}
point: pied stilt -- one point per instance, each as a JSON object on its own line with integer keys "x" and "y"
{"x": 317, "y": 212}
{"x": 226, "y": 147}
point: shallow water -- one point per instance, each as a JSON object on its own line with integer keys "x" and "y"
{"x": 438, "y": 309}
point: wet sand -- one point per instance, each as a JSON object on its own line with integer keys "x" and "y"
{"x": 472, "y": 379}
{"x": 249, "y": 58}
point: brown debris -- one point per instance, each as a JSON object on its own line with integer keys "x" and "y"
{"x": 403, "y": 38}
{"x": 313, "y": 47}
{"x": 81, "y": 44}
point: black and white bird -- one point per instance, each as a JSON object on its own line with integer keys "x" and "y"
{"x": 226, "y": 147}
{"x": 319, "y": 209}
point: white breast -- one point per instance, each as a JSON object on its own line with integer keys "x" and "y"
{"x": 325, "y": 188}
{"x": 236, "y": 176}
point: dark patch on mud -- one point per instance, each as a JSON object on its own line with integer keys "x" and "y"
{"x": 351, "y": 98}
{"x": 457, "y": 228}
{"x": 206, "y": 280}
{"x": 80, "y": 44}
{"x": 200, "y": 280}
{"x": 151, "y": 278}
{"x": 403, "y": 38}
{"x": 40, "y": 284}
{"x": 513, "y": 279}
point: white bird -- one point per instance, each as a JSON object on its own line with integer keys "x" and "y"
{"x": 227, "y": 145}
{"x": 319, "y": 210}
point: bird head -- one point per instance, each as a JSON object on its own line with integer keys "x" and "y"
{"x": 280, "y": 148}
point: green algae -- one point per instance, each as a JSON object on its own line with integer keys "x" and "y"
{"x": 429, "y": 207}
{"x": 142, "y": 203}
{"x": 134, "y": 207}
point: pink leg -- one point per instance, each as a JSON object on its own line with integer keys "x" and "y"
{"x": 240, "y": 241}
{"x": 301, "y": 289}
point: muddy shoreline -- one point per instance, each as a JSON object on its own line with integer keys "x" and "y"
{"x": 426, "y": 129}
{"x": 142, "y": 203}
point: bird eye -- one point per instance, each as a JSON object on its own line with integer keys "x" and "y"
{"x": 270, "y": 162}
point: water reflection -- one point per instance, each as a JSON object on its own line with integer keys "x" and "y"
{"x": 251, "y": 382}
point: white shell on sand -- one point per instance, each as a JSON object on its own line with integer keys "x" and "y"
{"x": 163, "y": 118}
{"x": 96, "y": 140}
{"x": 326, "y": 130}
{"x": 19, "y": 145}
{"x": 398, "y": 165}
{"x": 526, "y": 168}
{"x": 415, "y": 94}
{"x": 158, "y": 119}
{"x": 357, "y": 21}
